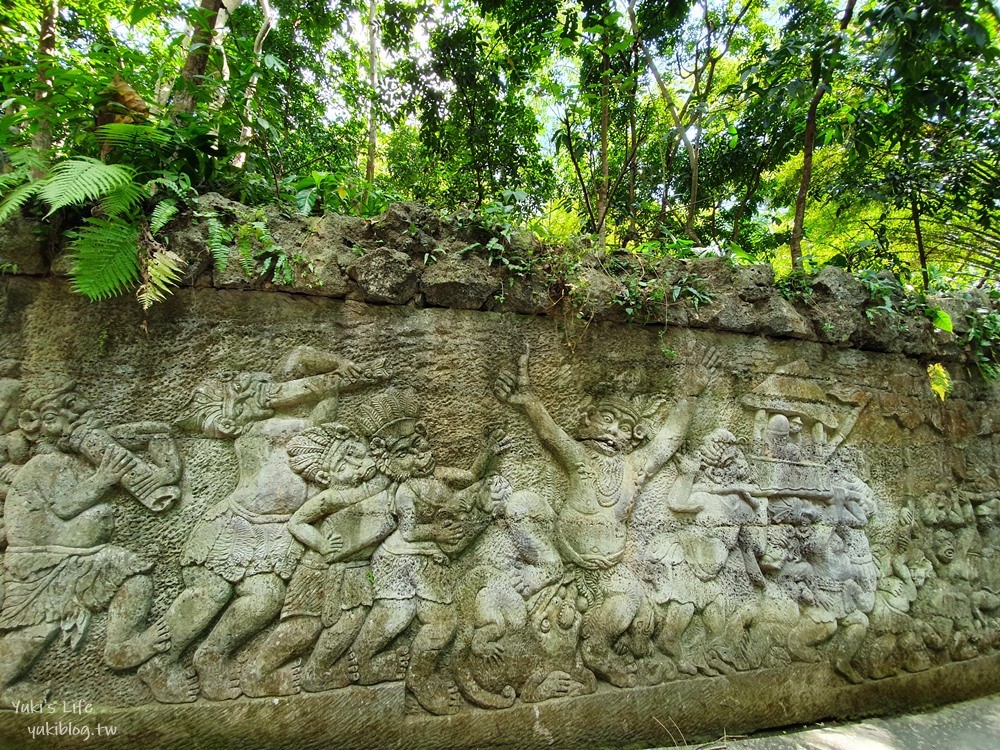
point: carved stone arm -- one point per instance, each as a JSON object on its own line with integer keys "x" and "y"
{"x": 317, "y": 508}
{"x": 516, "y": 392}
{"x": 652, "y": 457}
{"x": 88, "y": 493}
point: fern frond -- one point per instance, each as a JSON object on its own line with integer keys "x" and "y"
{"x": 105, "y": 256}
{"x": 13, "y": 179}
{"x": 16, "y": 200}
{"x": 124, "y": 134}
{"x": 82, "y": 179}
{"x": 165, "y": 210}
{"x": 163, "y": 270}
{"x": 218, "y": 242}
{"x": 122, "y": 200}
{"x": 29, "y": 159}
{"x": 182, "y": 191}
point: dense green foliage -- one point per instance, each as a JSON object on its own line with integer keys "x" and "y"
{"x": 662, "y": 127}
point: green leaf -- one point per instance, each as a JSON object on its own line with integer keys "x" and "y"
{"x": 940, "y": 319}
{"x": 940, "y": 380}
{"x": 126, "y": 134}
{"x": 218, "y": 242}
{"x": 17, "y": 199}
{"x": 165, "y": 210}
{"x": 121, "y": 201}
{"x": 81, "y": 179}
{"x": 105, "y": 255}
{"x": 163, "y": 270}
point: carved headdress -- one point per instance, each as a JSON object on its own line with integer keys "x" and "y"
{"x": 315, "y": 450}
{"x": 390, "y": 415}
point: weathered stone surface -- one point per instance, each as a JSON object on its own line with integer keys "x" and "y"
{"x": 22, "y": 246}
{"x": 385, "y": 275}
{"x": 264, "y": 515}
{"x": 464, "y": 283}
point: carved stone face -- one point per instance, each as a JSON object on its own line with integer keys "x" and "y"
{"x": 351, "y": 464}
{"x": 55, "y": 418}
{"x": 57, "y": 423}
{"x": 226, "y": 408}
{"x": 408, "y": 456}
{"x": 610, "y": 429}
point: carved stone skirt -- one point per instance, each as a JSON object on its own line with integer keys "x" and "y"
{"x": 411, "y": 575}
{"x": 321, "y": 590}
{"x": 64, "y": 585}
{"x": 236, "y": 543}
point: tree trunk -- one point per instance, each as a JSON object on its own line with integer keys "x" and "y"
{"x": 373, "y": 101}
{"x": 602, "y": 188}
{"x": 809, "y": 146}
{"x": 42, "y": 139}
{"x": 246, "y": 133}
{"x": 211, "y": 16}
{"x": 921, "y": 251}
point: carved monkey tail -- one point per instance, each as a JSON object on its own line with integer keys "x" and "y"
{"x": 476, "y": 693}
{"x": 462, "y": 670}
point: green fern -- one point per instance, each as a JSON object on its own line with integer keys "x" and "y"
{"x": 177, "y": 185}
{"x": 15, "y": 201}
{"x": 163, "y": 270}
{"x": 123, "y": 200}
{"x": 105, "y": 258}
{"x": 123, "y": 134}
{"x": 80, "y": 179}
{"x": 165, "y": 210}
{"x": 218, "y": 242}
{"x": 26, "y": 160}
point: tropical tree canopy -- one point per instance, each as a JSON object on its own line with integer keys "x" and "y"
{"x": 802, "y": 132}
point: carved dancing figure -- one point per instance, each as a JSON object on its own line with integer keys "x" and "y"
{"x": 607, "y": 466}
{"x": 411, "y": 570}
{"x": 60, "y": 567}
{"x": 241, "y": 553}
{"x": 329, "y": 593}
{"x": 709, "y": 564}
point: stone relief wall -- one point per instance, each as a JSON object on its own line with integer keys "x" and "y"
{"x": 248, "y": 495}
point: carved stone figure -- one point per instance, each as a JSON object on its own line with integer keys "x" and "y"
{"x": 896, "y": 642}
{"x": 505, "y": 645}
{"x": 707, "y": 562}
{"x": 607, "y": 465}
{"x": 241, "y": 553}
{"x": 60, "y": 567}
{"x": 411, "y": 570}
{"x": 329, "y": 593}
{"x": 508, "y": 647}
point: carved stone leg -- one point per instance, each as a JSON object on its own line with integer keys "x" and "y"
{"x": 850, "y": 636}
{"x": 719, "y": 643}
{"x": 914, "y": 652}
{"x": 332, "y": 644}
{"x": 273, "y": 668}
{"x": 258, "y": 601}
{"x": 436, "y": 633}
{"x": 602, "y": 626}
{"x": 130, "y": 642}
{"x": 806, "y": 635}
{"x": 387, "y": 619}
{"x": 186, "y": 618}
{"x": 18, "y": 651}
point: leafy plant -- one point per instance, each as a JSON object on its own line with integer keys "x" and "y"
{"x": 796, "y": 285}
{"x": 255, "y": 245}
{"x": 984, "y": 340}
{"x": 940, "y": 380}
